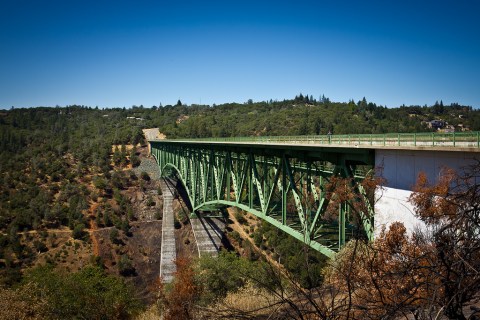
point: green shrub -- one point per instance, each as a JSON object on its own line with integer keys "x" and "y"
{"x": 40, "y": 246}
{"x": 145, "y": 176}
{"x": 87, "y": 294}
{"x": 114, "y": 235}
{"x": 257, "y": 238}
{"x": 135, "y": 161}
{"x": 221, "y": 275}
{"x": 100, "y": 183}
{"x": 240, "y": 218}
{"x": 235, "y": 235}
{"x": 78, "y": 232}
{"x": 150, "y": 201}
{"x": 177, "y": 224}
{"x": 125, "y": 266}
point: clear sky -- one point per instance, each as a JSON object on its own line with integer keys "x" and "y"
{"x": 124, "y": 53}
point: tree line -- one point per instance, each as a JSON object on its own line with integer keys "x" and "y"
{"x": 305, "y": 116}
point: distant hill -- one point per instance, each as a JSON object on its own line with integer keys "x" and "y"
{"x": 306, "y": 116}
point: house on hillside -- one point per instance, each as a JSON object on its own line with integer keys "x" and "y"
{"x": 436, "y": 124}
{"x": 462, "y": 127}
{"x": 449, "y": 128}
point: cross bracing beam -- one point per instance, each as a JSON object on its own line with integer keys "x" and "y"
{"x": 283, "y": 185}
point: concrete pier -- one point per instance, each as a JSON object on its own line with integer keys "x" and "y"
{"x": 168, "y": 250}
{"x": 208, "y": 234}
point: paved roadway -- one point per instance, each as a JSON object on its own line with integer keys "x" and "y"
{"x": 153, "y": 134}
{"x": 438, "y": 141}
{"x": 459, "y": 147}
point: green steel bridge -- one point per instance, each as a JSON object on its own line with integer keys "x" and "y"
{"x": 283, "y": 180}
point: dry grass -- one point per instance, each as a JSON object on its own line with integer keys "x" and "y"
{"x": 22, "y": 303}
{"x": 128, "y": 147}
{"x": 66, "y": 253}
{"x": 249, "y": 298}
{"x": 249, "y": 301}
{"x": 151, "y": 313}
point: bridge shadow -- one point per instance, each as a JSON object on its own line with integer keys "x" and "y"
{"x": 178, "y": 190}
{"x": 215, "y": 221}
{"x": 219, "y": 224}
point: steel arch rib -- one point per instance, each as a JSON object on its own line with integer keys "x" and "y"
{"x": 298, "y": 235}
{"x": 274, "y": 184}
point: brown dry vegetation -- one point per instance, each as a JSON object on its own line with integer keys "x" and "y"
{"x": 251, "y": 224}
{"x": 141, "y": 245}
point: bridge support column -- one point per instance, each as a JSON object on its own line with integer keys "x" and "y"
{"x": 400, "y": 170}
{"x": 208, "y": 233}
{"x": 168, "y": 248}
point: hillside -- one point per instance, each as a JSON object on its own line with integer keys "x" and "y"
{"x": 78, "y": 189}
{"x": 53, "y": 160}
{"x": 306, "y": 117}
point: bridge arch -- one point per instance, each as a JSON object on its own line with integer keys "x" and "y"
{"x": 283, "y": 186}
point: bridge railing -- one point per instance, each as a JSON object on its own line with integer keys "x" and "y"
{"x": 424, "y": 139}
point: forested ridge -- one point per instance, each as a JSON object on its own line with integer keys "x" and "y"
{"x": 67, "y": 168}
{"x": 305, "y": 116}
{"x": 48, "y": 150}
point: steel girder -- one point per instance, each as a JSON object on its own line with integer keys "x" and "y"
{"x": 284, "y": 185}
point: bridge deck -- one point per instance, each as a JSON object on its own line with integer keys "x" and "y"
{"x": 459, "y": 142}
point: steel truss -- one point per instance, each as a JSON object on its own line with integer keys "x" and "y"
{"x": 284, "y": 185}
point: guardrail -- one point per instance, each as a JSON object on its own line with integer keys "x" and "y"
{"x": 424, "y": 139}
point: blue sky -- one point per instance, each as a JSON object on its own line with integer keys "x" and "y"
{"x": 124, "y": 53}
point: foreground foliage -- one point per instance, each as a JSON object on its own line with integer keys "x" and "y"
{"x": 86, "y": 294}
{"x": 426, "y": 274}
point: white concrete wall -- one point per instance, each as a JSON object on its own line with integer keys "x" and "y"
{"x": 393, "y": 206}
{"x": 401, "y": 169}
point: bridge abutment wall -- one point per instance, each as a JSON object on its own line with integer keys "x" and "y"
{"x": 401, "y": 168}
